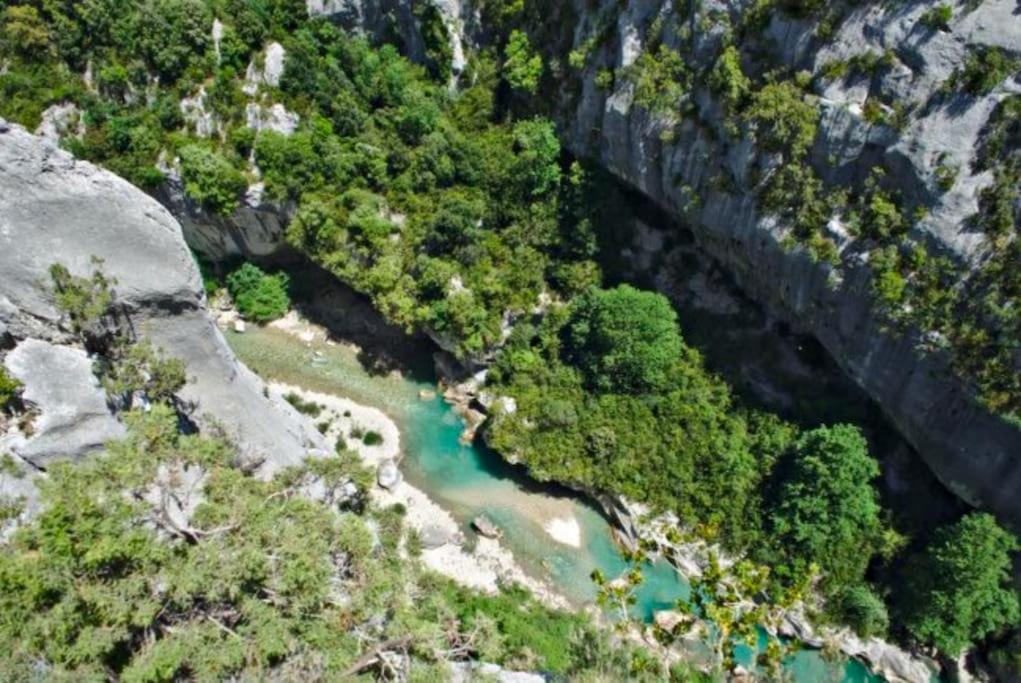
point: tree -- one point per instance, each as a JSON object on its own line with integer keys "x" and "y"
{"x": 259, "y": 296}
{"x": 863, "y": 610}
{"x": 784, "y": 121}
{"x": 174, "y": 33}
{"x": 827, "y": 513}
{"x": 522, "y": 67}
{"x": 960, "y": 588}
{"x": 24, "y": 32}
{"x": 624, "y": 340}
{"x": 727, "y": 79}
{"x": 538, "y": 157}
{"x": 211, "y": 180}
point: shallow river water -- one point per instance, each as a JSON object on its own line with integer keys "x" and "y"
{"x": 470, "y": 480}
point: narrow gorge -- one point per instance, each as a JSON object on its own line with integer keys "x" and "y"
{"x": 692, "y": 326}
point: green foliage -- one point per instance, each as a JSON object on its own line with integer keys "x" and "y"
{"x": 661, "y": 81}
{"x": 139, "y": 368}
{"x": 783, "y": 120}
{"x": 985, "y": 68}
{"x": 258, "y": 295}
{"x": 682, "y": 447}
{"x": 211, "y": 179}
{"x": 960, "y": 589}
{"x": 86, "y": 301}
{"x": 371, "y": 438}
{"x": 310, "y": 408}
{"x": 727, "y": 79}
{"x": 938, "y": 18}
{"x": 522, "y": 66}
{"x": 624, "y": 340}
{"x": 9, "y": 388}
{"x": 859, "y": 607}
{"x": 259, "y": 581}
{"x": 827, "y": 512}
{"x": 173, "y": 35}
{"x": 23, "y": 31}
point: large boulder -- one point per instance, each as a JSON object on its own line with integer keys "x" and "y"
{"x": 54, "y": 208}
{"x": 71, "y": 416}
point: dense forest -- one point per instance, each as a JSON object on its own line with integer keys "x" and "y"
{"x": 454, "y": 210}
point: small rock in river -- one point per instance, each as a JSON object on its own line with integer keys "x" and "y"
{"x": 427, "y": 394}
{"x": 485, "y": 527}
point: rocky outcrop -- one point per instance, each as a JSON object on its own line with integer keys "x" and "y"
{"x": 255, "y": 230}
{"x": 71, "y": 417}
{"x": 397, "y": 20}
{"x": 975, "y": 453}
{"x": 56, "y": 209}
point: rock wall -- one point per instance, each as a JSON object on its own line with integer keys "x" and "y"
{"x": 56, "y": 209}
{"x": 975, "y": 453}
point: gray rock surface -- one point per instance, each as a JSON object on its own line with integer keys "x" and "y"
{"x": 254, "y": 230}
{"x": 471, "y": 672}
{"x": 56, "y": 209}
{"x": 387, "y": 475}
{"x": 73, "y": 419}
{"x": 976, "y": 454}
{"x": 434, "y": 536}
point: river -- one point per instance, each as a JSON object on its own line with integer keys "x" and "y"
{"x": 469, "y": 480}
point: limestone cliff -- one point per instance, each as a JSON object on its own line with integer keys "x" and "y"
{"x": 975, "y": 453}
{"x": 56, "y": 209}
{"x": 708, "y": 177}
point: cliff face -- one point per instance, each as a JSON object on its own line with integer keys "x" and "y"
{"x": 975, "y": 453}
{"x": 707, "y": 177}
{"x": 56, "y": 209}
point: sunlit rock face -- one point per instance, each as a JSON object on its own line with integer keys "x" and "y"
{"x": 54, "y": 209}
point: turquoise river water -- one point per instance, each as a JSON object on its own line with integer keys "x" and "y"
{"x": 470, "y": 480}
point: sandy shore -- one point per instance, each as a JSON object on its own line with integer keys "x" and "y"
{"x": 564, "y": 530}
{"x": 488, "y": 566}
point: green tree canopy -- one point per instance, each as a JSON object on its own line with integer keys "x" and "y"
{"x": 522, "y": 67}
{"x": 827, "y": 512}
{"x": 960, "y": 588}
{"x": 210, "y": 179}
{"x": 259, "y": 296}
{"x": 624, "y": 340}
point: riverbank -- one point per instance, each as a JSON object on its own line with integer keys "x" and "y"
{"x": 467, "y": 480}
{"x": 488, "y": 564}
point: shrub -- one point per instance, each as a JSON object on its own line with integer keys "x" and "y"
{"x": 959, "y": 589}
{"x": 624, "y": 340}
{"x": 984, "y": 69}
{"x": 211, "y": 180}
{"x": 661, "y": 81}
{"x": 783, "y": 119}
{"x": 310, "y": 408}
{"x": 727, "y": 79}
{"x": 938, "y": 17}
{"x": 371, "y": 438}
{"x": 259, "y": 296}
{"x": 522, "y": 67}
{"x": 9, "y": 387}
{"x": 861, "y": 609}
